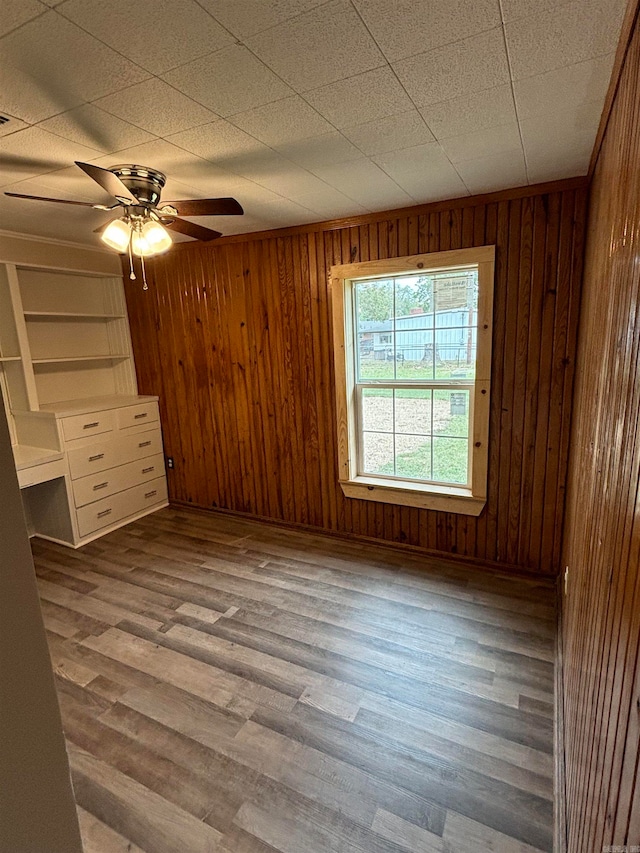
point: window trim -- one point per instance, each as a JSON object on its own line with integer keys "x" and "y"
{"x": 466, "y": 501}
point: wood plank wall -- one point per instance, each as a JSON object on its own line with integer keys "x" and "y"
{"x": 235, "y": 338}
{"x": 601, "y": 611}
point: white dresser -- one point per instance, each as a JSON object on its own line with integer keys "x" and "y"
{"x": 88, "y": 449}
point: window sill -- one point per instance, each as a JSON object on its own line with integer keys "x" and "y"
{"x": 444, "y": 498}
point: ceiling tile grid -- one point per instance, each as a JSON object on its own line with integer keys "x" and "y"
{"x": 302, "y": 109}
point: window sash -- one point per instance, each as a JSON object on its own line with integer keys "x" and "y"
{"x": 417, "y": 385}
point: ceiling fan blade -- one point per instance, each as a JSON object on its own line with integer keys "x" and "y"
{"x": 191, "y": 229}
{"x": 108, "y": 181}
{"x": 61, "y": 201}
{"x": 207, "y": 207}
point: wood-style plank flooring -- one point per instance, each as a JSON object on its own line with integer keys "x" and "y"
{"x": 231, "y": 687}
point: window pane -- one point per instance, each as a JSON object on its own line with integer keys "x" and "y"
{"x": 414, "y": 302}
{"x": 374, "y": 305}
{"x": 377, "y": 453}
{"x": 413, "y": 411}
{"x": 377, "y": 409}
{"x": 450, "y": 458}
{"x": 453, "y": 411}
{"x": 376, "y": 352}
{"x": 455, "y": 290}
{"x": 413, "y": 457}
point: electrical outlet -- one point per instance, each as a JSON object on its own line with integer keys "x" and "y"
{"x": 170, "y": 463}
{"x": 566, "y": 579}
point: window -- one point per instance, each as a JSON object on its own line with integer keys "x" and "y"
{"x": 412, "y": 340}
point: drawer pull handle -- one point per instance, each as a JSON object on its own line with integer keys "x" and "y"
{"x": 91, "y": 426}
{"x": 103, "y": 513}
{"x": 146, "y": 470}
{"x": 141, "y": 415}
{"x": 144, "y": 444}
{"x": 151, "y": 494}
{"x": 100, "y": 486}
{"x": 96, "y": 457}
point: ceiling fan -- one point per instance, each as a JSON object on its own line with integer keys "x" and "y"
{"x": 142, "y": 226}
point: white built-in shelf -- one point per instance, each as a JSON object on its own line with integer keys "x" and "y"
{"x": 93, "y": 404}
{"x": 9, "y": 358}
{"x": 69, "y": 315}
{"x": 63, "y": 359}
{"x": 27, "y": 456}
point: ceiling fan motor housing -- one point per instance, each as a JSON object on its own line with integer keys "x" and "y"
{"x": 145, "y": 183}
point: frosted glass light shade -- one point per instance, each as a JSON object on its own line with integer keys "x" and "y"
{"x": 116, "y": 235}
{"x": 158, "y": 238}
{"x": 139, "y": 245}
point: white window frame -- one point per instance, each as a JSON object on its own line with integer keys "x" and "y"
{"x": 466, "y": 500}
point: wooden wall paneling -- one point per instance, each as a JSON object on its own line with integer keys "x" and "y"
{"x": 545, "y": 420}
{"x": 492, "y": 549}
{"x": 601, "y": 619}
{"x": 505, "y": 307}
{"x": 235, "y": 337}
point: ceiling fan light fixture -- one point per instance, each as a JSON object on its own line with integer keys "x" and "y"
{"x": 157, "y": 237}
{"x": 117, "y": 235}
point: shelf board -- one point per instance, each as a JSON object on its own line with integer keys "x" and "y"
{"x": 26, "y": 456}
{"x": 9, "y": 358}
{"x": 63, "y": 359}
{"x": 69, "y": 315}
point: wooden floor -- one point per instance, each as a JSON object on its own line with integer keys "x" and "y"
{"x": 229, "y": 686}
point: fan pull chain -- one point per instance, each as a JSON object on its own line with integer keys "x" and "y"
{"x": 144, "y": 274}
{"x": 132, "y": 274}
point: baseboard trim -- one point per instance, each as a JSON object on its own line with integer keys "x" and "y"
{"x": 506, "y": 569}
{"x": 559, "y": 782}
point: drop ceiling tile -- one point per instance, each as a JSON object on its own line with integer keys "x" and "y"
{"x": 273, "y": 171}
{"x": 277, "y": 214}
{"x": 216, "y": 184}
{"x": 18, "y": 12}
{"x": 501, "y": 139}
{"x": 69, "y": 183}
{"x": 156, "y": 107}
{"x": 252, "y": 16}
{"x": 177, "y": 164}
{"x": 560, "y": 143}
{"x": 76, "y": 225}
{"x": 156, "y": 34}
{"x": 564, "y": 88}
{"x": 365, "y": 183}
{"x": 424, "y": 172}
{"x": 91, "y": 126}
{"x": 50, "y": 66}
{"x": 494, "y": 172}
{"x": 319, "y": 47}
{"x": 12, "y": 125}
{"x": 325, "y": 150}
{"x": 471, "y": 113}
{"x": 33, "y": 151}
{"x": 391, "y": 133}
{"x": 572, "y": 33}
{"x": 217, "y": 141}
{"x": 458, "y": 69}
{"x": 514, "y": 9}
{"x": 329, "y": 203}
{"x": 229, "y": 81}
{"x": 366, "y": 97}
{"x": 404, "y": 28}
{"x": 288, "y": 120}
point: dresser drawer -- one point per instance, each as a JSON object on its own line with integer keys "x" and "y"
{"x": 109, "y": 510}
{"x": 113, "y": 451}
{"x": 137, "y": 415}
{"x": 94, "y": 423}
{"x": 105, "y": 483}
